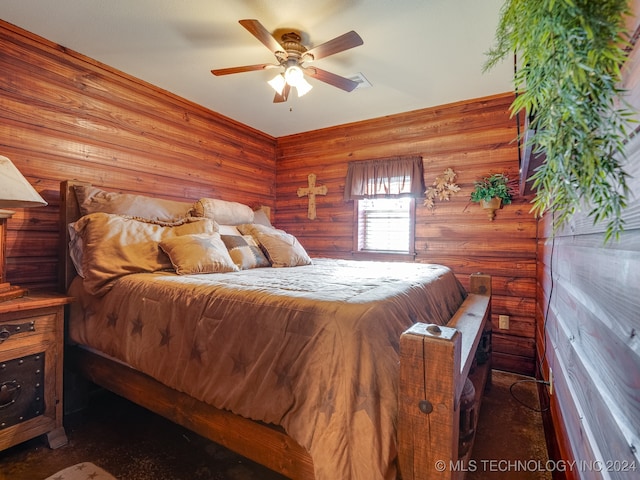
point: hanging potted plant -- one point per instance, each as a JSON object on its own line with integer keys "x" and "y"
{"x": 492, "y": 192}
{"x": 570, "y": 54}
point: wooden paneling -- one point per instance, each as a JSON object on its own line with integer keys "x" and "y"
{"x": 590, "y": 343}
{"x": 588, "y": 311}
{"x": 66, "y": 116}
{"x": 474, "y": 138}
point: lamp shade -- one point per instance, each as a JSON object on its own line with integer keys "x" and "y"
{"x": 15, "y": 190}
{"x": 277, "y": 83}
{"x": 303, "y": 87}
{"x": 293, "y": 75}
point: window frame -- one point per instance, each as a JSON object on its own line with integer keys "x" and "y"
{"x": 385, "y": 255}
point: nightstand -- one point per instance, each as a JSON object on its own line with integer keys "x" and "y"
{"x": 31, "y": 354}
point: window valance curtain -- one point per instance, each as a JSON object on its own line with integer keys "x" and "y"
{"x": 389, "y": 177}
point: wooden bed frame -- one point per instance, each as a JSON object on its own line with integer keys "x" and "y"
{"x": 434, "y": 365}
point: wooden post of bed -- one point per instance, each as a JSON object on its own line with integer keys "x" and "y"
{"x": 435, "y": 362}
{"x": 69, "y": 212}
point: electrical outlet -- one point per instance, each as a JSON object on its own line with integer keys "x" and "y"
{"x": 504, "y": 322}
{"x": 550, "y": 381}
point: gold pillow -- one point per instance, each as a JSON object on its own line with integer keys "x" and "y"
{"x": 198, "y": 253}
{"x": 115, "y": 246}
{"x": 223, "y": 211}
{"x": 282, "y": 248}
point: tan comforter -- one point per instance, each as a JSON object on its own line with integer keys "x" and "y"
{"x": 313, "y": 349}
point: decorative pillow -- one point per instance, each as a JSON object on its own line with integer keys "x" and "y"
{"x": 92, "y": 200}
{"x": 283, "y": 249}
{"x": 198, "y": 253}
{"x": 75, "y": 248}
{"x": 245, "y": 252}
{"x": 228, "y": 230}
{"x": 115, "y": 246}
{"x": 223, "y": 212}
{"x": 261, "y": 217}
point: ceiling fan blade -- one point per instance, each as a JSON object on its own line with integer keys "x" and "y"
{"x": 331, "y": 78}
{"x": 246, "y": 68}
{"x": 257, "y": 30}
{"x": 279, "y": 98}
{"x": 339, "y": 44}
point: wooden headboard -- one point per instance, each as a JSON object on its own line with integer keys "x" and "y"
{"x": 69, "y": 213}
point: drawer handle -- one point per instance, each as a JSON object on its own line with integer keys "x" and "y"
{"x": 9, "y": 393}
{"x": 8, "y": 330}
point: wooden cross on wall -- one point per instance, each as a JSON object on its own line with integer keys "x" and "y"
{"x": 312, "y": 191}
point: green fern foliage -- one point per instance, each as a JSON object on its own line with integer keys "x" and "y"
{"x": 569, "y": 54}
{"x": 494, "y": 186}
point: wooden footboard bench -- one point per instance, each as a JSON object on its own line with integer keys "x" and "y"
{"x": 435, "y": 363}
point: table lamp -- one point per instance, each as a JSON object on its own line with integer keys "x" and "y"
{"x": 15, "y": 192}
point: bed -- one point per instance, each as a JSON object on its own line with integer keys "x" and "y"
{"x": 324, "y": 369}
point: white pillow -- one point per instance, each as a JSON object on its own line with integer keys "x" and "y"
{"x": 75, "y": 248}
{"x": 92, "y": 199}
{"x": 228, "y": 230}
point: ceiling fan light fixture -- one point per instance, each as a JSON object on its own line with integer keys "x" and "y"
{"x": 303, "y": 87}
{"x": 277, "y": 83}
{"x": 291, "y": 55}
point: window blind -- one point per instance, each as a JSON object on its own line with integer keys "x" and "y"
{"x": 384, "y": 225}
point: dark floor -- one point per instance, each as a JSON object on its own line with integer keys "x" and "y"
{"x": 133, "y": 444}
{"x": 510, "y": 441}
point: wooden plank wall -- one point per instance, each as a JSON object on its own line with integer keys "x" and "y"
{"x": 588, "y": 323}
{"x": 589, "y": 317}
{"x": 474, "y": 138}
{"x": 66, "y": 116}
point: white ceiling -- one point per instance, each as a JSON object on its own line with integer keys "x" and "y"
{"x": 416, "y": 53}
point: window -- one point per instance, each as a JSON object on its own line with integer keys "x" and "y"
{"x": 385, "y": 225}
{"x": 383, "y": 192}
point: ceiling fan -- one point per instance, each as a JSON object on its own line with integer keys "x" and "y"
{"x": 293, "y": 57}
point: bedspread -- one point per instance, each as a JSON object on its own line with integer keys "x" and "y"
{"x": 314, "y": 349}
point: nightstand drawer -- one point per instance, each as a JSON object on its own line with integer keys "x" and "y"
{"x": 21, "y": 389}
{"x": 23, "y": 331}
